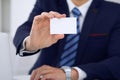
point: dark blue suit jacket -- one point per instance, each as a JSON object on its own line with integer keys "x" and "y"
{"x": 99, "y": 45}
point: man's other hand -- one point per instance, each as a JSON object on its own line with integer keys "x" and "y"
{"x": 48, "y": 73}
{"x": 51, "y": 73}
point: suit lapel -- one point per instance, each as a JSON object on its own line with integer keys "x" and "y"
{"x": 89, "y": 22}
{"x": 63, "y": 7}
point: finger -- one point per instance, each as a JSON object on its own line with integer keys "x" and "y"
{"x": 36, "y": 19}
{"x": 58, "y": 36}
{"x": 38, "y": 76}
{"x": 56, "y": 14}
{"x": 43, "y": 71}
{"x": 64, "y": 15}
{"x": 44, "y": 78}
{"x": 40, "y": 21}
{"x": 45, "y": 67}
{"x": 47, "y": 71}
{"x": 33, "y": 75}
{"x": 42, "y": 17}
{"x": 47, "y": 15}
{"x": 48, "y": 77}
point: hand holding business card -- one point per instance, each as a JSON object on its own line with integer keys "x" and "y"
{"x": 63, "y": 26}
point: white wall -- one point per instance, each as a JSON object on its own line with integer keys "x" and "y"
{"x": 5, "y": 15}
{"x": 0, "y": 15}
{"x": 20, "y": 10}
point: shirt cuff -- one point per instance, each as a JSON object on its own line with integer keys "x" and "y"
{"x": 81, "y": 74}
{"x": 23, "y": 50}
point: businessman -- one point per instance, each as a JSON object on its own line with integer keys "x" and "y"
{"x": 92, "y": 53}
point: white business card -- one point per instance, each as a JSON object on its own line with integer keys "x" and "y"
{"x": 63, "y": 26}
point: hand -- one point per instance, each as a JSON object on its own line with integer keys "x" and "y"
{"x": 40, "y": 36}
{"x": 48, "y": 73}
{"x": 51, "y": 73}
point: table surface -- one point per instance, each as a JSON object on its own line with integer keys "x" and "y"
{"x": 22, "y": 77}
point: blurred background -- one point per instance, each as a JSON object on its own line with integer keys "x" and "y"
{"x": 12, "y": 14}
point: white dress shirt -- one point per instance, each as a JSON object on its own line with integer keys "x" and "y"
{"x": 83, "y": 9}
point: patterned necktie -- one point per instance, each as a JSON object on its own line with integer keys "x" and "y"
{"x": 70, "y": 48}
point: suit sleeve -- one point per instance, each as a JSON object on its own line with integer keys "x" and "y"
{"x": 108, "y": 69}
{"x": 24, "y": 30}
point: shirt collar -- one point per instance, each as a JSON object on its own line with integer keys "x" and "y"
{"x": 83, "y": 8}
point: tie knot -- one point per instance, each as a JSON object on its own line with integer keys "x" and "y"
{"x": 76, "y": 12}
